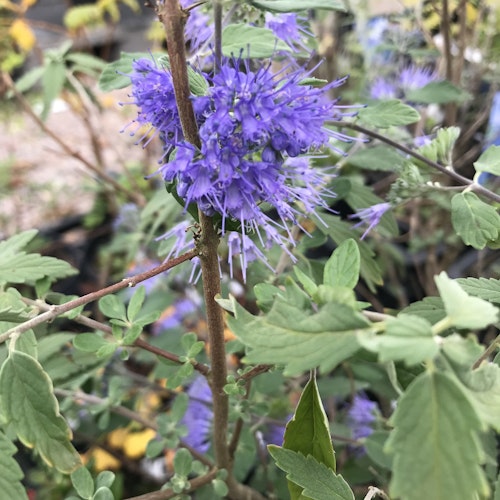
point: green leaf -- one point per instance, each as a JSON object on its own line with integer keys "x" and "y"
{"x": 83, "y": 482}
{"x": 309, "y": 285}
{"x": 112, "y": 307}
{"x": 487, "y": 289}
{"x": 53, "y": 80}
{"x": 489, "y": 161}
{"x": 374, "y": 445}
{"x": 103, "y": 493}
{"x": 342, "y": 268}
{"x": 132, "y": 334}
{"x": 89, "y": 342}
{"x": 16, "y": 266}
{"x": 294, "y": 6}
{"x": 387, "y": 114}
{"x": 318, "y": 480}
{"x": 27, "y": 343}
{"x": 381, "y": 158}
{"x": 339, "y": 231}
{"x": 430, "y": 308}
{"x": 463, "y": 310}
{"x": 28, "y": 402}
{"x": 10, "y": 472}
{"x": 29, "y": 79}
{"x": 483, "y": 387}
{"x": 250, "y": 42}
{"x": 407, "y": 338}
{"x": 437, "y": 93}
{"x": 476, "y": 222}
{"x": 52, "y": 344}
{"x": 183, "y": 462}
{"x": 440, "y": 149}
{"x": 105, "y": 479}
{"x": 308, "y": 431}
{"x": 297, "y": 339}
{"x": 136, "y": 303}
{"x": 435, "y": 442}
{"x": 86, "y": 60}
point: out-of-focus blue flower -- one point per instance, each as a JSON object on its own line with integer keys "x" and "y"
{"x": 141, "y": 266}
{"x": 174, "y": 315}
{"x": 286, "y": 27}
{"x": 361, "y": 416}
{"x": 370, "y": 216}
{"x": 128, "y": 218}
{"x": 199, "y": 415}
{"x": 412, "y": 77}
{"x": 383, "y": 89}
{"x": 199, "y": 28}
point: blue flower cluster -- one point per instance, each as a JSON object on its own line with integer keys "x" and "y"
{"x": 253, "y": 126}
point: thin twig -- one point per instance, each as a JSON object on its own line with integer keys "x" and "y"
{"x": 56, "y": 311}
{"x": 473, "y": 186}
{"x": 486, "y": 354}
{"x": 135, "y": 197}
{"x": 194, "y": 484}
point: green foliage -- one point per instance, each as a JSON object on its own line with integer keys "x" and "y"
{"x": 437, "y": 93}
{"x": 292, "y": 6}
{"x": 464, "y": 311}
{"x": 10, "y": 472}
{"x": 17, "y": 266}
{"x": 28, "y": 403}
{"x": 487, "y": 289}
{"x": 441, "y": 147}
{"x": 250, "y": 41}
{"x": 489, "y": 161}
{"x": 382, "y": 158}
{"x": 298, "y": 339}
{"x": 387, "y": 114}
{"x": 476, "y": 222}
{"x": 342, "y": 268}
{"x": 318, "y": 481}
{"x": 435, "y": 442}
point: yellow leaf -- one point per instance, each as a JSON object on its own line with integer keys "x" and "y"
{"x": 135, "y": 443}
{"x": 102, "y": 459}
{"x": 116, "y": 438}
{"x": 22, "y": 35}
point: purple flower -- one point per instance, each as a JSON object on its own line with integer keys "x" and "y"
{"x": 198, "y": 30}
{"x": 370, "y": 216}
{"x": 383, "y": 89}
{"x": 174, "y": 315}
{"x": 361, "y": 416}
{"x": 128, "y": 218}
{"x": 412, "y": 77}
{"x": 199, "y": 415}
{"x": 252, "y": 125}
{"x": 286, "y": 28}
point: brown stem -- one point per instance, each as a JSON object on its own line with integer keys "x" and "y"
{"x": 91, "y": 297}
{"x": 473, "y": 186}
{"x": 486, "y": 354}
{"x": 195, "y": 483}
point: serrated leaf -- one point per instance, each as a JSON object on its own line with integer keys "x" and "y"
{"x": 387, "y": 114}
{"x": 489, "y": 161}
{"x": 318, "y": 481}
{"x": 484, "y": 288}
{"x": 476, "y": 222}
{"x": 441, "y": 147}
{"x": 83, "y": 482}
{"x": 28, "y": 403}
{"x": 250, "y": 42}
{"x": 294, "y": 6}
{"x": 298, "y": 339}
{"x": 435, "y": 442}
{"x": 407, "y": 338}
{"x": 381, "y": 158}
{"x": 437, "y": 93}
{"x": 463, "y": 310}
{"x": 340, "y": 231}
{"x": 10, "y": 472}
{"x": 342, "y": 268}
{"x": 429, "y": 308}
